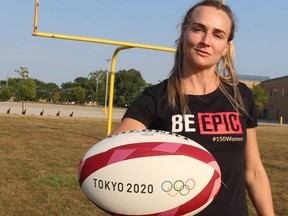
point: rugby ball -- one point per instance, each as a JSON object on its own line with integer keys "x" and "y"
{"x": 149, "y": 172}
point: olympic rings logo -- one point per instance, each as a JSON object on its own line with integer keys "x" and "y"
{"x": 179, "y": 186}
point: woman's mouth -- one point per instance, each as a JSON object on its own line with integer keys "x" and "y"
{"x": 202, "y": 52}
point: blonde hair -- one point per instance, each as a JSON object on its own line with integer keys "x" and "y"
{"x": 225, "y": 68}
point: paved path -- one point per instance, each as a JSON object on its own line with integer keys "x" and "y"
{"x": 272, "y": 123}
{"x": 53, "y": 109}
{"x": 78, "y": 111}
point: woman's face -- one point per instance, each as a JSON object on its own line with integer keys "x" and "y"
{"x": 205, "y": 39}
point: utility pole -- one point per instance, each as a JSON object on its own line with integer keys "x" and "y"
{"x": 106, "y": 92}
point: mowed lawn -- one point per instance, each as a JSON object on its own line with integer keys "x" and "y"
{"x": 40, "y": 157}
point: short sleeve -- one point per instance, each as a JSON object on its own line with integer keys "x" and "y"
{"x": 143, "y": 109}
{"x": 250, "y": 105}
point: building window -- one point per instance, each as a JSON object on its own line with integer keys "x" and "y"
{"x": 283, "y": 91}
{"x": 270, "y": 92}
{"x": 274, "y": 92}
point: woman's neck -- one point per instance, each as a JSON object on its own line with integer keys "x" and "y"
{"x": 201, "y": 83}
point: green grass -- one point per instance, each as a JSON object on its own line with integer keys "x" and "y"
{"x": 273, "y": 145}
{"x": 39, "y": 162}
{"x": 40, "y": 156}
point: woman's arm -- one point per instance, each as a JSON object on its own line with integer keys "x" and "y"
{"x": 257, "y": 181}
{"x": 128, "y": 124}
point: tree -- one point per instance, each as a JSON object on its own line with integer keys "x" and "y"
{"x": 46, "y": 91}
{"x": 98, "y": 84}
{"x": 12, "y": 86}
{"x": 57, "y": 96}
{"x": 85, "y": 83}
{"x": 128, "y": 86}
{"x": 5, "y": 94}
{"x": 26, "y": 88}
{"x": 260, "y": 96}
{"x": 40, "y": 90}
{"x": 23, "y": 72}
{"x": 68, "y": 85}
{"x": 3, "y": 83}
{"x": 52, "y": 92}
{"x": 66, "y": 93}
{"x": 78, "y": 94}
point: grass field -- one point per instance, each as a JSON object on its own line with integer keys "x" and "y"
{"x": 40, "y": 156}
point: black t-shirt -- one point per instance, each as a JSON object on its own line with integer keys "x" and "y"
{"x": 214, "y": 124}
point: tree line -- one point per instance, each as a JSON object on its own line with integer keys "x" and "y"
{"x": 128, "y": 86}
{"x": 92, "y": 89}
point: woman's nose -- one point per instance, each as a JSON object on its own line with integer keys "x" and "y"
{"x": 206, "y": 39}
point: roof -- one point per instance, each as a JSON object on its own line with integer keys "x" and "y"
{"x": 253, "y": 77}
{"x": 277, "y": 78}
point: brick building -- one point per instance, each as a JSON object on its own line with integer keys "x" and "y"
{"x": 277, "y": 105}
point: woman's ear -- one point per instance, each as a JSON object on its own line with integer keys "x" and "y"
{"x": 228, "y": 48}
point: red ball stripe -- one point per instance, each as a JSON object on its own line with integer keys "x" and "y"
{"x": 139, "y": 150}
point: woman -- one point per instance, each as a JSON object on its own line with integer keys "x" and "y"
{"x": 203, "y": 100}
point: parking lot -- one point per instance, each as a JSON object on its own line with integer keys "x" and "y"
{"x": 46, "y": 109}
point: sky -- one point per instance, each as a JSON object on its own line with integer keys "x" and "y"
{"x": 261, "y": 39}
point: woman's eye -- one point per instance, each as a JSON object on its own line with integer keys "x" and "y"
{"x": 218, "y": 36}
{"x": 197, "y": 29}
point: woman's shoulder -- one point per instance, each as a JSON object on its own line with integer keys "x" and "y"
{"x": 157, "y": 89}
{"x": 242, "y": 87}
